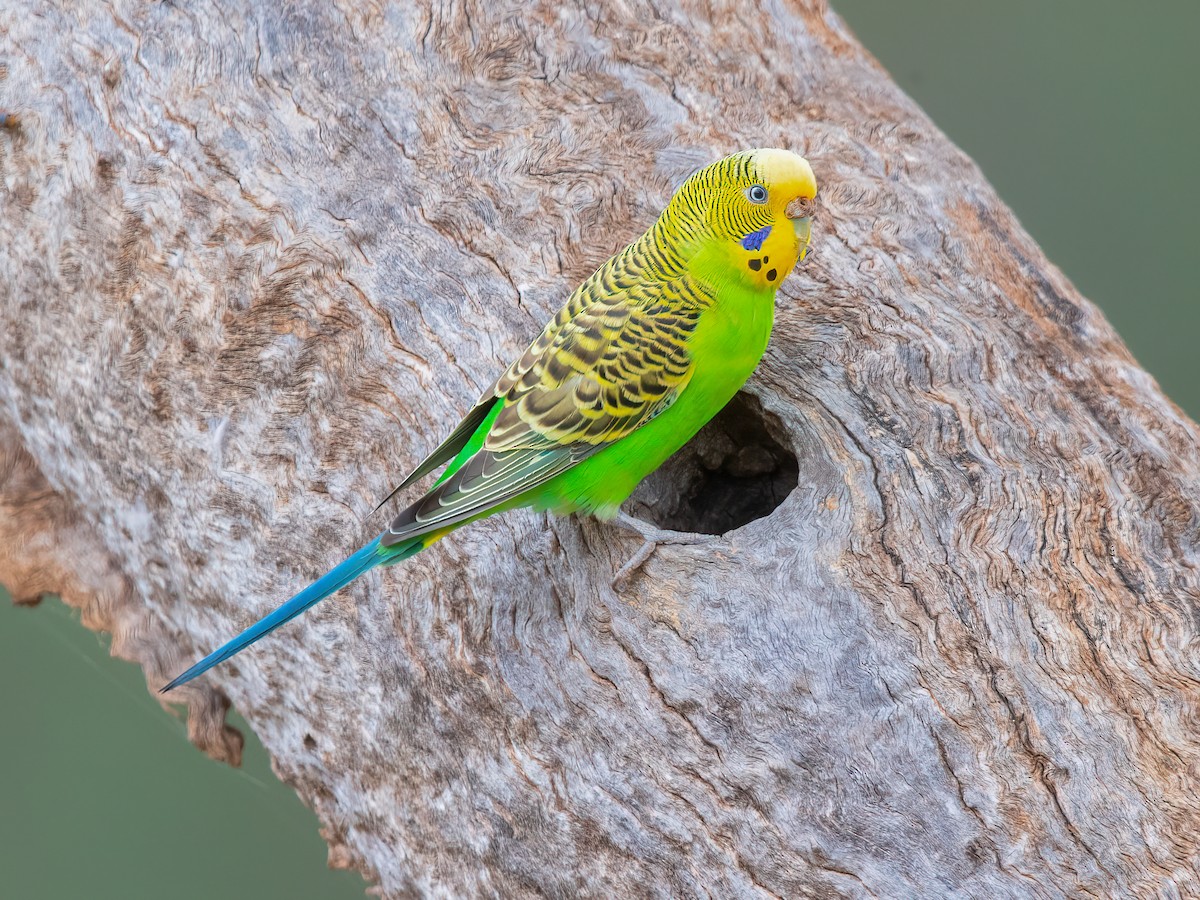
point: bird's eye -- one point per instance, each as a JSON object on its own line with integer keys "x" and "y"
{"x": 757, "y": 194}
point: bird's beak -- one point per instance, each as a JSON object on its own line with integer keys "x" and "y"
{"x": 803, "y": 227}
{"x": 800, "y": 212}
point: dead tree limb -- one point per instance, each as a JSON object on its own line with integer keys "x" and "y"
{"x": 258, "y": 258}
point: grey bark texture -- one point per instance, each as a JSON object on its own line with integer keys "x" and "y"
{"x": 256, "y": 259}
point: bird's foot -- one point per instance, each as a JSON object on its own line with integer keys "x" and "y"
{"x": 651, "y": 539}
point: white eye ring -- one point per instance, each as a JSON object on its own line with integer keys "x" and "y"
{"x": 756, "y": 194}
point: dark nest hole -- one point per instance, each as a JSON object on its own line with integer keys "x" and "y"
{"x": 731, "y": 473}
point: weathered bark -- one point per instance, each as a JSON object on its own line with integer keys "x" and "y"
{"x": 257, "y": 261}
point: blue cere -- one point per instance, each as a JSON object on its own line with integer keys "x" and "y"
{"x": 754, "y": 240}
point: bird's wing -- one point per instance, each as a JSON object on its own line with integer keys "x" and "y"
{"x": 447, "y": 449}
{"x": 462, "y": 434}
{"x": 596, "y": 374}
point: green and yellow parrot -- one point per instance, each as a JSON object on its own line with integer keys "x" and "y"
{"x": 644, "y": 352}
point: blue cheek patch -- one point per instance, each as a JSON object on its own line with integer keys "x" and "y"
{"x": 754, "y": 240}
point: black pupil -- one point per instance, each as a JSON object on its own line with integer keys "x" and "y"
{"x": 758, "y": 193}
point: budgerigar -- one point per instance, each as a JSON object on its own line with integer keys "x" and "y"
{"x": 644, "y": 352}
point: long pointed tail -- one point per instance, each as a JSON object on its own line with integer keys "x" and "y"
{"x": 338, "y": 577}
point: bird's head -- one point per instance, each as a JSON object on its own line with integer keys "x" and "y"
{"x": 756, "y": 206}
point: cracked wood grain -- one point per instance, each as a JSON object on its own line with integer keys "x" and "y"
{"x": 258, "y": 258}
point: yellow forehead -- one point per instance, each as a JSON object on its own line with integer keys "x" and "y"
{"x": 784, "y": 170}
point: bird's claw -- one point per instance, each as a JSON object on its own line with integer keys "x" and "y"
{"x": 651, "y": 537}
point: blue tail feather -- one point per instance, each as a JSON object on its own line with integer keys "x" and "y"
{"x": 336, "y": 578}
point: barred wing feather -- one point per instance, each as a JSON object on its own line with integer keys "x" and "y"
{"x": 600, "y": 370}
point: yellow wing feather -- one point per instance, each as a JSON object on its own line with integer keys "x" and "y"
{"x": 599, "y": 377}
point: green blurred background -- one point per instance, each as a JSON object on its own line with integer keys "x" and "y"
{"x": 1083, "y": 116}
